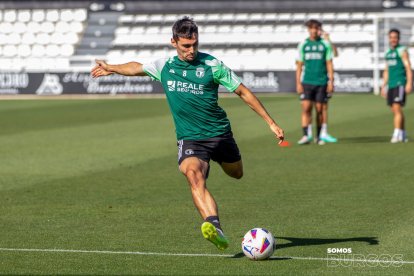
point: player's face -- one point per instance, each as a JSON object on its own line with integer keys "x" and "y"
{"x": 314, "y": 31}
{"x": 394, "y": 39}
{"x": 186, "y": 47}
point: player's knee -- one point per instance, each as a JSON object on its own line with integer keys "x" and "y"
{"x": 319, "y": 112}
{"x": 195, "y": 178}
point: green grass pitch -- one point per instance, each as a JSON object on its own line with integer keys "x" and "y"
{"x": 101, "y": 175}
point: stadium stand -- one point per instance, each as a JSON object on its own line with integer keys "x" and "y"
{"x": 39, "y": 39}
{"x": 265, "y": 34}
{"x": 255, "y": 36}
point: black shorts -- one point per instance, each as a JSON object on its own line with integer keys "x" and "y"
{"x": 222, "y": 148}
{"x": 314, "y": 93}
{"x": 396, "y": 95}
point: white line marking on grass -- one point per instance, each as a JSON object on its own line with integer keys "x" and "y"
{"x": 55, "y": 250}
{"x": 113, "y": 252}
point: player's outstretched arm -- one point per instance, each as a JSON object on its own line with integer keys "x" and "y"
{"x": 127, "y": 69}
{"x": 251, "y": 100}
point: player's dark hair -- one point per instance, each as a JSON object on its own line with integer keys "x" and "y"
{"x": 394, "y": 31}
{"x": 313, "y": 23}
{"x": 184, "y": 28}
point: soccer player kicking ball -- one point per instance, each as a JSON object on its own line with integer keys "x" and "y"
{"x": 190, "y": 81}
{"x": 315, "y": 55}
{"x": 398, "y": 78}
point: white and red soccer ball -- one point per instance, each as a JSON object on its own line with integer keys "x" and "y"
{"x": 258, "y": 244}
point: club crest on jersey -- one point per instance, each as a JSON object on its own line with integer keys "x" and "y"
{"x": 200, "y": 72}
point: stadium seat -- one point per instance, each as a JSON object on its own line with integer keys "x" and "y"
{"x": 241, "y": 17}
{"x": 358, "y": 16}
{"x": 10, "y": 15}
{"x": 299, "y": 17}
{"x": 270, "y": 17}
{"x": 170, "y": 18}
{"x": 141, "y": 18}
{"x": 343, "y": 16}
{"x": 228, "y": 17}
{"x": 156, "y": 18}
{"x": 24, "y": 15}
{"x": 38, "y": 15}
{"x": 52, "y": 15}
{"x": 328, "y": 16}
{"x": 9, "y": 50}
{"x": 126, "y": 18}
{"x": 80, "y": 15}
{"x": 67, "y": 50}
{"x": 284, "y": 17}
{"x": 213, "y": 17}
{"x": 256, "y": 17}
{"x": 66, "y": 15}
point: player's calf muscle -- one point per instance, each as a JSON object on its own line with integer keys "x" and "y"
{"x": 234, "y": 170}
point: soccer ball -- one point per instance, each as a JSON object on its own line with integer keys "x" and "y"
{"x": 258, "y": 244}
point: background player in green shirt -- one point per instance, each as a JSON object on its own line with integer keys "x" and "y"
{"x": 190, "y": 81}
{"x": 397, "y": 82}
{"x": 315, "y": 62}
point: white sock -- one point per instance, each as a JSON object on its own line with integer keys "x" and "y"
{"x": 401, "y": 135}
{"x": 324, "y": 130}
{"x": 396, "y": 132}
{"x": 310, "y": 130}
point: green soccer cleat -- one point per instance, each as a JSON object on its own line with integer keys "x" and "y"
{"x": 328, "y": 138}
{"x": 214, "y": 235}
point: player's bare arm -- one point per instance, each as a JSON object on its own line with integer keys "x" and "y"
{"x": 408, "y": 72}
{"x": 330, "y": 69}
{"x": 127, "y": 69}
{"x": 384, "y": 82}
{"x": 251, "y": 100}
{"x": 299, "y": 68}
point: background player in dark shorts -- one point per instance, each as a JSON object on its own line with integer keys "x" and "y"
{"x": 397, "y": 82}
{"x": 315, "y": 62}
{"x": 314, "y": 93}
{"x": 396, "y": 95}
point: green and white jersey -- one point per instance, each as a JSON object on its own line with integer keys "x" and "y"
{"x": 314, "y": 54}
{"x": 192, "y": 94}
{"x": 396, "y": 70}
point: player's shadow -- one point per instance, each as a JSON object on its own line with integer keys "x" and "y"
{"x": 312, "y": 241}
{"x": 365, "y": 140}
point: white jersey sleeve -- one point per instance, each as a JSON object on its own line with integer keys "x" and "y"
{"x": 154, "y": 68}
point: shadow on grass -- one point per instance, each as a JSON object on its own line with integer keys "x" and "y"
{"x": 365, "y": 139}
{"x": 272, "y": 258}
{"x": 311, "y": 241}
